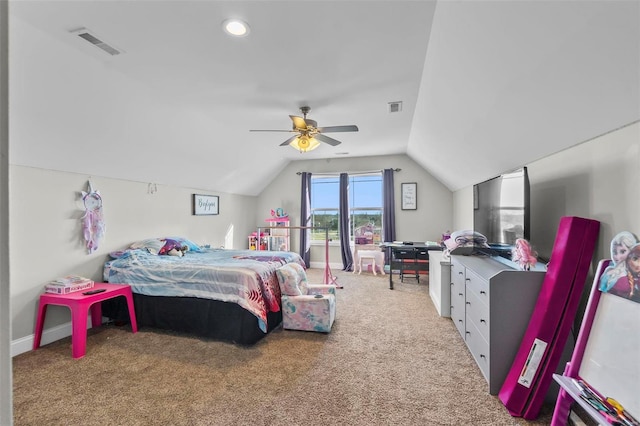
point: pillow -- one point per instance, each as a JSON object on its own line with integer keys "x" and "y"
{"x": 169, "y": 245}
{"x": 152, "y": 245}
{"x": 303, "y": 283}
{"x": 185, "y": 242}
{"x": 292, "y": 283}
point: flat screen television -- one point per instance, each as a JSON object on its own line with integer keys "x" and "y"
{"x": 501, "y": 210}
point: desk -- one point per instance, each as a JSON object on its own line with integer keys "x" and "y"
{"x": 408, "y": 258}
{"x": 80, "y": 305}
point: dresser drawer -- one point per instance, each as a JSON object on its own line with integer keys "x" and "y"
{"x": 479, "y": 348}
{"x": 478, "y": 314}
{"x": 457, "y": 274}
{"x": 457, "y": 316}
{"x": 458, "y": 308}
{"x": 478, "y": 285}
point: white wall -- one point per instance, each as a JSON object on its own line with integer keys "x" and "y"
{"x": 597, "y": 179}
{"x": 463, "y": 209}
{"x": 45, "y": 211}
{"x": 428, "y": 222}
{"x": 6, "y": 406}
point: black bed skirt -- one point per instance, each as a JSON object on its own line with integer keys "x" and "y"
{"x": 212, "y": 319}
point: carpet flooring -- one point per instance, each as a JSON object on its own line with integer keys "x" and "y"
{"x": 389, "y": 360}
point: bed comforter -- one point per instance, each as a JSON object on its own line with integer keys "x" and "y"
{"x": 244, "y": 277}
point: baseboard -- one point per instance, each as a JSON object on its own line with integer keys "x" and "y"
{"x": 320, "y": 265}
{"x": 49, "y": 335}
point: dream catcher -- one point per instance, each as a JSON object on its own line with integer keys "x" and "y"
{"x": 93, "y": 225}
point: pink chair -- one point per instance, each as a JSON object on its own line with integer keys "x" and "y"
{"x": 309, "y": 307}
{"x": 80, "y": 304}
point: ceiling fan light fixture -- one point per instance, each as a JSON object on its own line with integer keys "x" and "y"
{"x": 304, "y": 143}
{"x": 236, "y": 27}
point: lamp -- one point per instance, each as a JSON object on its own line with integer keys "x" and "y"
{"x": 304, "y": 143}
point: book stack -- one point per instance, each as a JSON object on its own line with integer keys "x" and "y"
{"x": 68, "y": 284}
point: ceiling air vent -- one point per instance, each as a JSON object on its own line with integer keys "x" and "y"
{"x": 395, "y": 106}
{"x": 92, "y": 38}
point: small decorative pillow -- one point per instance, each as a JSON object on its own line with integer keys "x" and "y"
{"x": 152, "y": 245}
{"x": 303, "y": 282}
{"x": 170, "y": 245}
{"x": 289, "y": 280}
{"x": 186, "y": 242}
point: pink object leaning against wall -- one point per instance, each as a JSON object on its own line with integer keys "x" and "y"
{"x": 528, "y": 380}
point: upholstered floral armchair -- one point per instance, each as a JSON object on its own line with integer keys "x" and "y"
{"x": 309, "y": 307}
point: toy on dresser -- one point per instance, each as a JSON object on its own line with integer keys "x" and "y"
{"x": 524, "y": 255}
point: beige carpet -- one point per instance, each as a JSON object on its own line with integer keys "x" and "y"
{"x": 389, "y": 360}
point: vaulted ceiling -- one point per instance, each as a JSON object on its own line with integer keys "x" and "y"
{"x": 485, "y": 86}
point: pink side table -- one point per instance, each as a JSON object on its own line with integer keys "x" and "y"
{"x": 80, "y": 305}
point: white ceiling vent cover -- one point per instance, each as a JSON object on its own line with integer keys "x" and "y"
{"x": 395, "y": 106}
{"x": 92, "y": 38}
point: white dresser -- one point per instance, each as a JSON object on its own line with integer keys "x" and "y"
{"x": 491, "y": 304}
{"x": 440, "y": 282}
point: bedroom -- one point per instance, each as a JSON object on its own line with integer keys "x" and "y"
{"x": 62, "y": 99}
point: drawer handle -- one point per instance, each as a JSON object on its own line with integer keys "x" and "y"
{"x": 459, "y": 272}
{"x": 468, "y": 303}
{"x": 460, "y": 294}
{"x": 482, "y": 320}
{"x": 483, "y": 292}
{"x": 468, "y": 332}
{"x": 459, "y": 320}
{"x": 467, "y": 279}
{"x": 482, "y": 356}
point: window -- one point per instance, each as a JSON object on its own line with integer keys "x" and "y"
{"x": 365, "y": 207}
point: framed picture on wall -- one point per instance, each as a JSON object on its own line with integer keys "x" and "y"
{"x": 409, "y": 196}
{"x": 205, "y": 204}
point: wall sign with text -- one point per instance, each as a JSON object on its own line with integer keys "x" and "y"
{"x": 205, "y": 204}
{"x": 409, "y": 196}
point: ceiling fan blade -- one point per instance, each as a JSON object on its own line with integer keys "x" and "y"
{"x": 327, "y": 139}
{"x": 288, "y": 141}
{"x": 329, "y": 129}
{"x": 289, "y": 131}
{"x": 298, "y": 122}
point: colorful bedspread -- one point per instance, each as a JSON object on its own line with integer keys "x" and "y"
{"x": 245, "y": 277}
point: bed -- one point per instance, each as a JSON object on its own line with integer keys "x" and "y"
{"x": 229, "y": 295}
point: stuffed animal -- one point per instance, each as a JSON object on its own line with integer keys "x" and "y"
{"x": 524, "y": 255}
{"x": 173, "y": 248}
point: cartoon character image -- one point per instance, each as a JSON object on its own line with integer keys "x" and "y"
{"x": 524, "y": 255}
{"x": 620, "y": 246}
{"x": 628, "y": 285}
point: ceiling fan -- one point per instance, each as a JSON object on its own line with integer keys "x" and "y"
{"x": 308, "y": 134}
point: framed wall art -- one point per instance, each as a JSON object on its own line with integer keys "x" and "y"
{"x": 205, "y": 204}
{"x": 410, "y": 196}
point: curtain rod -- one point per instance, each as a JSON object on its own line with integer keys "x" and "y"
{"x": 350, "y": 173}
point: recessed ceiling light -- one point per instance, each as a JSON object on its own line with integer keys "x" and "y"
{"x": 236, "y": 27}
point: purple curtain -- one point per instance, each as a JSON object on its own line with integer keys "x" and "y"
{"x": 305, "y": 218}
{"x": 388, "y": 206}
{"x": 345, "y": 219}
